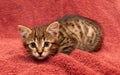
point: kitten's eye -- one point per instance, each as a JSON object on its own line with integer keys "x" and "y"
{"x": 33, "y": 45}
{"x": 46, "y": 44}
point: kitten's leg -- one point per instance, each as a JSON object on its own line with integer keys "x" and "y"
{"x": 67, "y": 49}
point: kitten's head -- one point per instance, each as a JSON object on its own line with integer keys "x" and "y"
{"x": 40, "y": 41}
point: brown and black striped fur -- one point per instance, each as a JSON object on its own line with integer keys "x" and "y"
{"x": 63, "y": 35}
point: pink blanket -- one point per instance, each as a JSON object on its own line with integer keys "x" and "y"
{"x": 14, "y": 59}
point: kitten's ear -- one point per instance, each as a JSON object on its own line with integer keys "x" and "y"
{"x": 24, "y": 31}
{"x": 53, "y": 29}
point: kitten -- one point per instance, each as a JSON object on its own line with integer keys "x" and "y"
{"x": 62, "y": 35}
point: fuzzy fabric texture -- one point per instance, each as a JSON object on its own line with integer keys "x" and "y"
{"x": 14, "y": 59}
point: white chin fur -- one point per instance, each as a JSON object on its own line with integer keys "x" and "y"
{"x": 40, "y": 57}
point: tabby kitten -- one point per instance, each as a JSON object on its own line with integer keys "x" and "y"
{"x": 63, "y": 35}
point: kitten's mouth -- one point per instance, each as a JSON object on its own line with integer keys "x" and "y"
{"x": 40, "y": 56}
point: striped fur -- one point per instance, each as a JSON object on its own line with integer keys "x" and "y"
{"x": 63, "y": 35}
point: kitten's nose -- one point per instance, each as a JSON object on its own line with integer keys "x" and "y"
{"x": 40, "y": 53}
